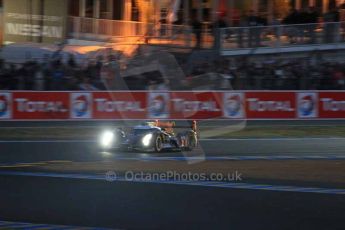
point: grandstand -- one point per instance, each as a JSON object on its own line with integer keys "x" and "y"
{"x": 184, "y": 46}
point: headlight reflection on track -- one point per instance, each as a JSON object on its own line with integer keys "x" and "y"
{"x": 106, "y": 154}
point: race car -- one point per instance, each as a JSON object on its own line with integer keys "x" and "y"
{"x": 151, "y": 137}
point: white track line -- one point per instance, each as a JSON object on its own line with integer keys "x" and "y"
{"x": 225, "y": 185}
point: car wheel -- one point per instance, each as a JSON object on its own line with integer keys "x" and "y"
{"x": 158, "y": 144}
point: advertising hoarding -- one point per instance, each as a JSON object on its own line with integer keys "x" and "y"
{"x": 29, "y": 105}
{"x": 42, "y": 21}
{"x": 265, "y": 105}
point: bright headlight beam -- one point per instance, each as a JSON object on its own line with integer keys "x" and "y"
{"x": 107, "y": 138}
{"x": 147, "y": 139}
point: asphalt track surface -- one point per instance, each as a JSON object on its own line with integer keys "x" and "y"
{"x": 88, "y": 150}
{"x": 152, "y": 206}
{"x": 126, "y": 205}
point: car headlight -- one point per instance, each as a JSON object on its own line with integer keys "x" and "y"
{"x": 147, "y": 139}
{"x": 107, "y": 139}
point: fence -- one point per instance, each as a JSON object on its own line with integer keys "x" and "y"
{"x": 279, "y": 36}
{"x": 232, "y": 38}
{"x": 150, "y": 33}
{"x": 141, "y": 32}
{"x": 198, "y": 105}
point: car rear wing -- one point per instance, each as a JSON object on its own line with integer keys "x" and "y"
{"x": 172, "y": 125}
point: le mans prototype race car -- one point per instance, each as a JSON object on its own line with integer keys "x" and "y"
{"x": 151, "y": 137}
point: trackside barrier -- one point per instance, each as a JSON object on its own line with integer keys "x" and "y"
{"x": 199, "y": 105}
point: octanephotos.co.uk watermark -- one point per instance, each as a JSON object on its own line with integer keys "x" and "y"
{"x": 129, "y": 176}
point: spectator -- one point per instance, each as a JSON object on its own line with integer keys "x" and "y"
{"x": 39, "y": 81}
{"x": 312, "y": 19}
{"x": 293, "y": 18}
{"x": 2, "y": 75}
{"x": 339, "y": 78}
{"x": 277, "y": 30}
{"x": 331, "y": 28}
{"x": 58, "y": 76}
{"x": 314, "y": 73}
{"x": 119, "y": 83}
{"x": 28, "y": 71}
{"x": 254, "y": 31}
{"x": 12, "y": 77}
{"x": 71, "y": 61}
{"x": 107, "y": 77}
{"x": 197, "y": 30}
{"x": 219, "y": 24}
{"x": 240, "y": 31}
{"x": 225, "y": 83}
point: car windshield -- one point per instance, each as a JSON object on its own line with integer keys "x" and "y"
{"x": 141, "y": 131}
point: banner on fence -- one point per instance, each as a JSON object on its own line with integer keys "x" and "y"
{"x": 118, "y": 105}
{"x": 40, "y": 105}
{"x": 254, "y": 105}
{"x": 270, "y": 105}
{"x": 332, "y": 105}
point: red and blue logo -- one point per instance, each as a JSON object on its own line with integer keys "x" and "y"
{"x": 307, "y": 105}
{"x": 233, "y": 105}
{"x": 4, "y": 106}
{"x": 81, "y": 105}
{"x": 158, "y": 106}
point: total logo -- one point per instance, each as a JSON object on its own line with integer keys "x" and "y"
{"x": 307, "y": 105}
{"x": 5, "y": 111}
{"x": 258, "y": 105}
{"x": 81, "y": 105}
{"x": 24, "y": 105}
{"x": 181, "y": 105}
{"x": 104, "y": 105}
{"x": 158, "y": 105}
{"x": 233, "y": 105}
{"x": 329, "y": 104}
